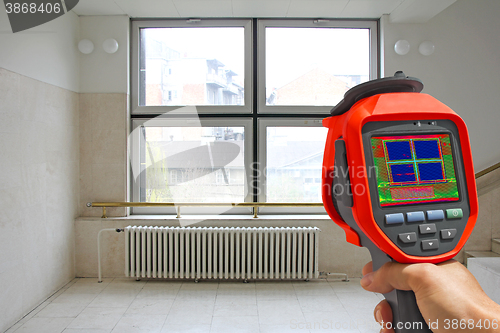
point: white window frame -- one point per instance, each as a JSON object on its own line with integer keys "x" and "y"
{"x": 263, "y": 124}
{"x": 248, "y": 85}
{"x": 308, "y": 23}
{"x": 134, "y": 145}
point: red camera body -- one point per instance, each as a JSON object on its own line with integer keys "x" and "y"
{"x": 394, "y": 107}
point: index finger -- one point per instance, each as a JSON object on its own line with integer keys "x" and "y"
{"x": 368, "y": 268}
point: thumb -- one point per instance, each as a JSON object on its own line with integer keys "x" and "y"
{"x": 390, "y": 276}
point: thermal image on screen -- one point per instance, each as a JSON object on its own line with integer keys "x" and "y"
{"x": 414, "y": 169}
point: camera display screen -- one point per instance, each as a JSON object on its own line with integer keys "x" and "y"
{"x": 414, "y": 169}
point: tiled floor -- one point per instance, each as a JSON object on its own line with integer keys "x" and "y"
{"x": 124, "y": 305}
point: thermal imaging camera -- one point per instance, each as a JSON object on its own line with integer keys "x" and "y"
{"x": 398, "y": 177}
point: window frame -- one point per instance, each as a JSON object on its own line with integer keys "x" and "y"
{"x": 255, "y": 115}
{"x": 134, "y": 144}
{"x": 246, "y": 24}
{"x": 263, "y": 124}
{"x": 371, "y": 25}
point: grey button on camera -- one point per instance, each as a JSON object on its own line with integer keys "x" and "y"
{"x": 430, "y": 244}
{"x": 427, "y": 229}
{"x": 408, "y": 237}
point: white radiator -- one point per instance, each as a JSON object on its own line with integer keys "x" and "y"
{"x": 221, "y": 253}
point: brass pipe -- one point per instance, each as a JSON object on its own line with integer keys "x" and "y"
{"x": 204, "y": 204}
{"x": 178, "y": 205}
{"x": 488, "y": 170}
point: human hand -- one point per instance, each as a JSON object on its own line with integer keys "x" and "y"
{"x": 446, "y": 293}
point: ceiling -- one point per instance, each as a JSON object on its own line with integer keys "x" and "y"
{"x": 401, "y": 11}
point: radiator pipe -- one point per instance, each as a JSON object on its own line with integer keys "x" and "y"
{"x": 99, "y": 250}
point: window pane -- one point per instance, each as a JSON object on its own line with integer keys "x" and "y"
{"x": 314, "y": 66}
{"x": 294, "y": 162}
{"x": 191, "y": 66}
{"x": 192, "y": 164}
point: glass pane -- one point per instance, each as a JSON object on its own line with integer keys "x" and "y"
{"x": 314, "y": 66}
{"x": 294, "y": 162}
{"x": 192, "y": 164}
{"x": 191, "y": 66}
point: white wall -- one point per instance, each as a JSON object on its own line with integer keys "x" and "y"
{"x": 39, "y": 162}
{"x": 47, "y": 53}
{"x": 101, "y": 72}
{"x": 464, "y": 71}
{"x": 104, "y": 117}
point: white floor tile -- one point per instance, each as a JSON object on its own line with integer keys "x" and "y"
{"x": 61, "y": 310}
{"x": 185, "y": 328}
{"x": 320, "y": 303}
{"x": 343, "y": 286}
{"x": 116, "y": 300}
{"x": 163, "y": 284}
{"x": 279, "y": 312}
{"x": 235, "y": 310}
{"x": 85, "y": 330}
{"x": 104, "y": 282}
{"x": 140, "y": 324}
{"x": 158, "y": 293}
{"x": 236, "y": 289}
{"x": 86, "y": 288}
{"x": 329, "y": 320}
{"x": 357, "y": 301}
{"x": 235, "y": 299}
{"x": 125, "y": 305}
{"x": 101, "y": 318}
{"x": 45, "y": 325}
{"x": 80, "y": 299}
{"x": 232, "y": 324}
{"x": 291, "y": 328}
{"x": 190, "y": 312}
{"x": 128, "y": 280}
{"x": 203, "y": 285}
{"x": 313, "y": 288}
{"x": 199, "y": 295}
{"x": 275, "y": 291}
{"x": 150, "y": 306}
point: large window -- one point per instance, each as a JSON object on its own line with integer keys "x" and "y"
{"x": 231, "y": 110}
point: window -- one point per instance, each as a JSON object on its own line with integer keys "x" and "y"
{"x": 207, "y": 63}
{"x": 294, "y": 158}
{"x": 314, "y": 66}
{"x": 191, "y": 52}
{"x": 309, "y": 65}
{"x": 204, "y": 132}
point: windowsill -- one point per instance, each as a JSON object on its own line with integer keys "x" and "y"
{"x": 187, "y": 218}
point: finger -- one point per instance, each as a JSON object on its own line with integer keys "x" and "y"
{"x": 389, "y": 277}
{"x": 383, "y": 315}
{"x": 368, "y": 268}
